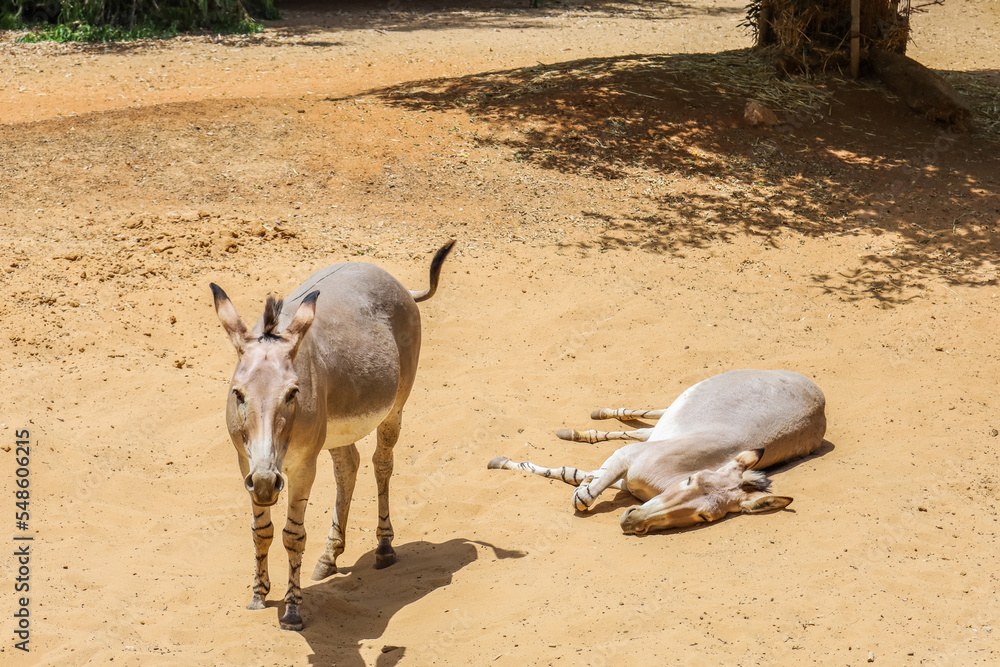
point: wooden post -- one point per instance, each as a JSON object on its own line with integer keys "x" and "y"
{"x": 855, "y": 37}
{"x": 765, "y": 34}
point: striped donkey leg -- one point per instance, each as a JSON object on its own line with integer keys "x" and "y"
{"x": 573, "y": 476}
{"x": 624, "y": 414}
{"x": 346, "y": 461}
{"x": 600, "y": 436}
{"x": 609, "y": 476}
{"x": 388, "y": 434}
{"x": 263, "y": 533}
{"x": 300, "y": 480}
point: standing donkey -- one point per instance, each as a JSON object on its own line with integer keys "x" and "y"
{"x": 697, "y": 464}
{"x": 321, "y": 370}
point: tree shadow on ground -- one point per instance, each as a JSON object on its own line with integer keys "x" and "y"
{"x": 358, "y": 603}
{"x": 309, "y": 16}
{"x": 844, "y": 159}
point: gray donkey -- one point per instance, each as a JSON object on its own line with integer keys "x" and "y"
{"x": 701, "y": 461}
{"x": 321, "y": 370}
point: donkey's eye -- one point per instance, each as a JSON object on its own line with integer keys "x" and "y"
{"x": 688, "y": 482}
{"x": 291, "y": 395}
{"x": 703, "y": 517}
{"x": 240, "y": 398}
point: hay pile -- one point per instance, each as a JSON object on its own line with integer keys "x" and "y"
{"x": 817, "y": 33}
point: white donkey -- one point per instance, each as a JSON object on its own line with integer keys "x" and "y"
{"x": 696, "y": 464}
{"x": 293, "y": 395}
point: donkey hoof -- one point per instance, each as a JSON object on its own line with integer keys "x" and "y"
{"x": 324, "y": 570}
{"x": 580, "y": 502}
{"x": 291, "y": 620}
{"x": 384, "y": 557}
{"x": 256, "y": 603}
{"x": 497, "y": 463}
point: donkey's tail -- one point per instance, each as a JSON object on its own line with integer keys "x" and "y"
{"x": 436, "y": 263}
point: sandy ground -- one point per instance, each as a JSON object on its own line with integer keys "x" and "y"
{"x": 620, "y": 235}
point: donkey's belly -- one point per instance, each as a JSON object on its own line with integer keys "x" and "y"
{"x": 341, "y": 432}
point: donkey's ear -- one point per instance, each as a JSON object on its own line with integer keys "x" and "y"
{"x": 743, "y": 461}
{"x": 230, "y": 319}
{"x": 758, "y": 503}
{"x": 301, "y": 321}
{"x": 749, "y": 458}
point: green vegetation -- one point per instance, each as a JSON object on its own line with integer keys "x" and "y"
{"x": 123, "y": 20}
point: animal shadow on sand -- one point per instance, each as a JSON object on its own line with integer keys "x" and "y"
{"x": 357, "y": 604}
{"x": 623, "y": 499}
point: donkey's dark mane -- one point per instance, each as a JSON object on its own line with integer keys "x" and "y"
{"x": 755, "y": 480}
{"x": 271, "y": 312}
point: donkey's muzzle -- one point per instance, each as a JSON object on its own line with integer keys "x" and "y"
{"x": 264, "y": 487}
{"x": 631, "y": 522}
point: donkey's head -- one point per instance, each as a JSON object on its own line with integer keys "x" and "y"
{"x": 707, "y": 495}
{"x": 262, "y": 401}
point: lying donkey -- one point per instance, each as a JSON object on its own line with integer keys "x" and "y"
{"x": 321, "y": 370}
{"x": 701, "y": 460}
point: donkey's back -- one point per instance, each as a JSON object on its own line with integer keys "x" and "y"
{"x": 355, "y": 294}
{"x": 781, "y": 412}
{"x": 362, "y": 351}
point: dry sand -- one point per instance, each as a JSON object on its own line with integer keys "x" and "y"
{"x": 621, "y": 235}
